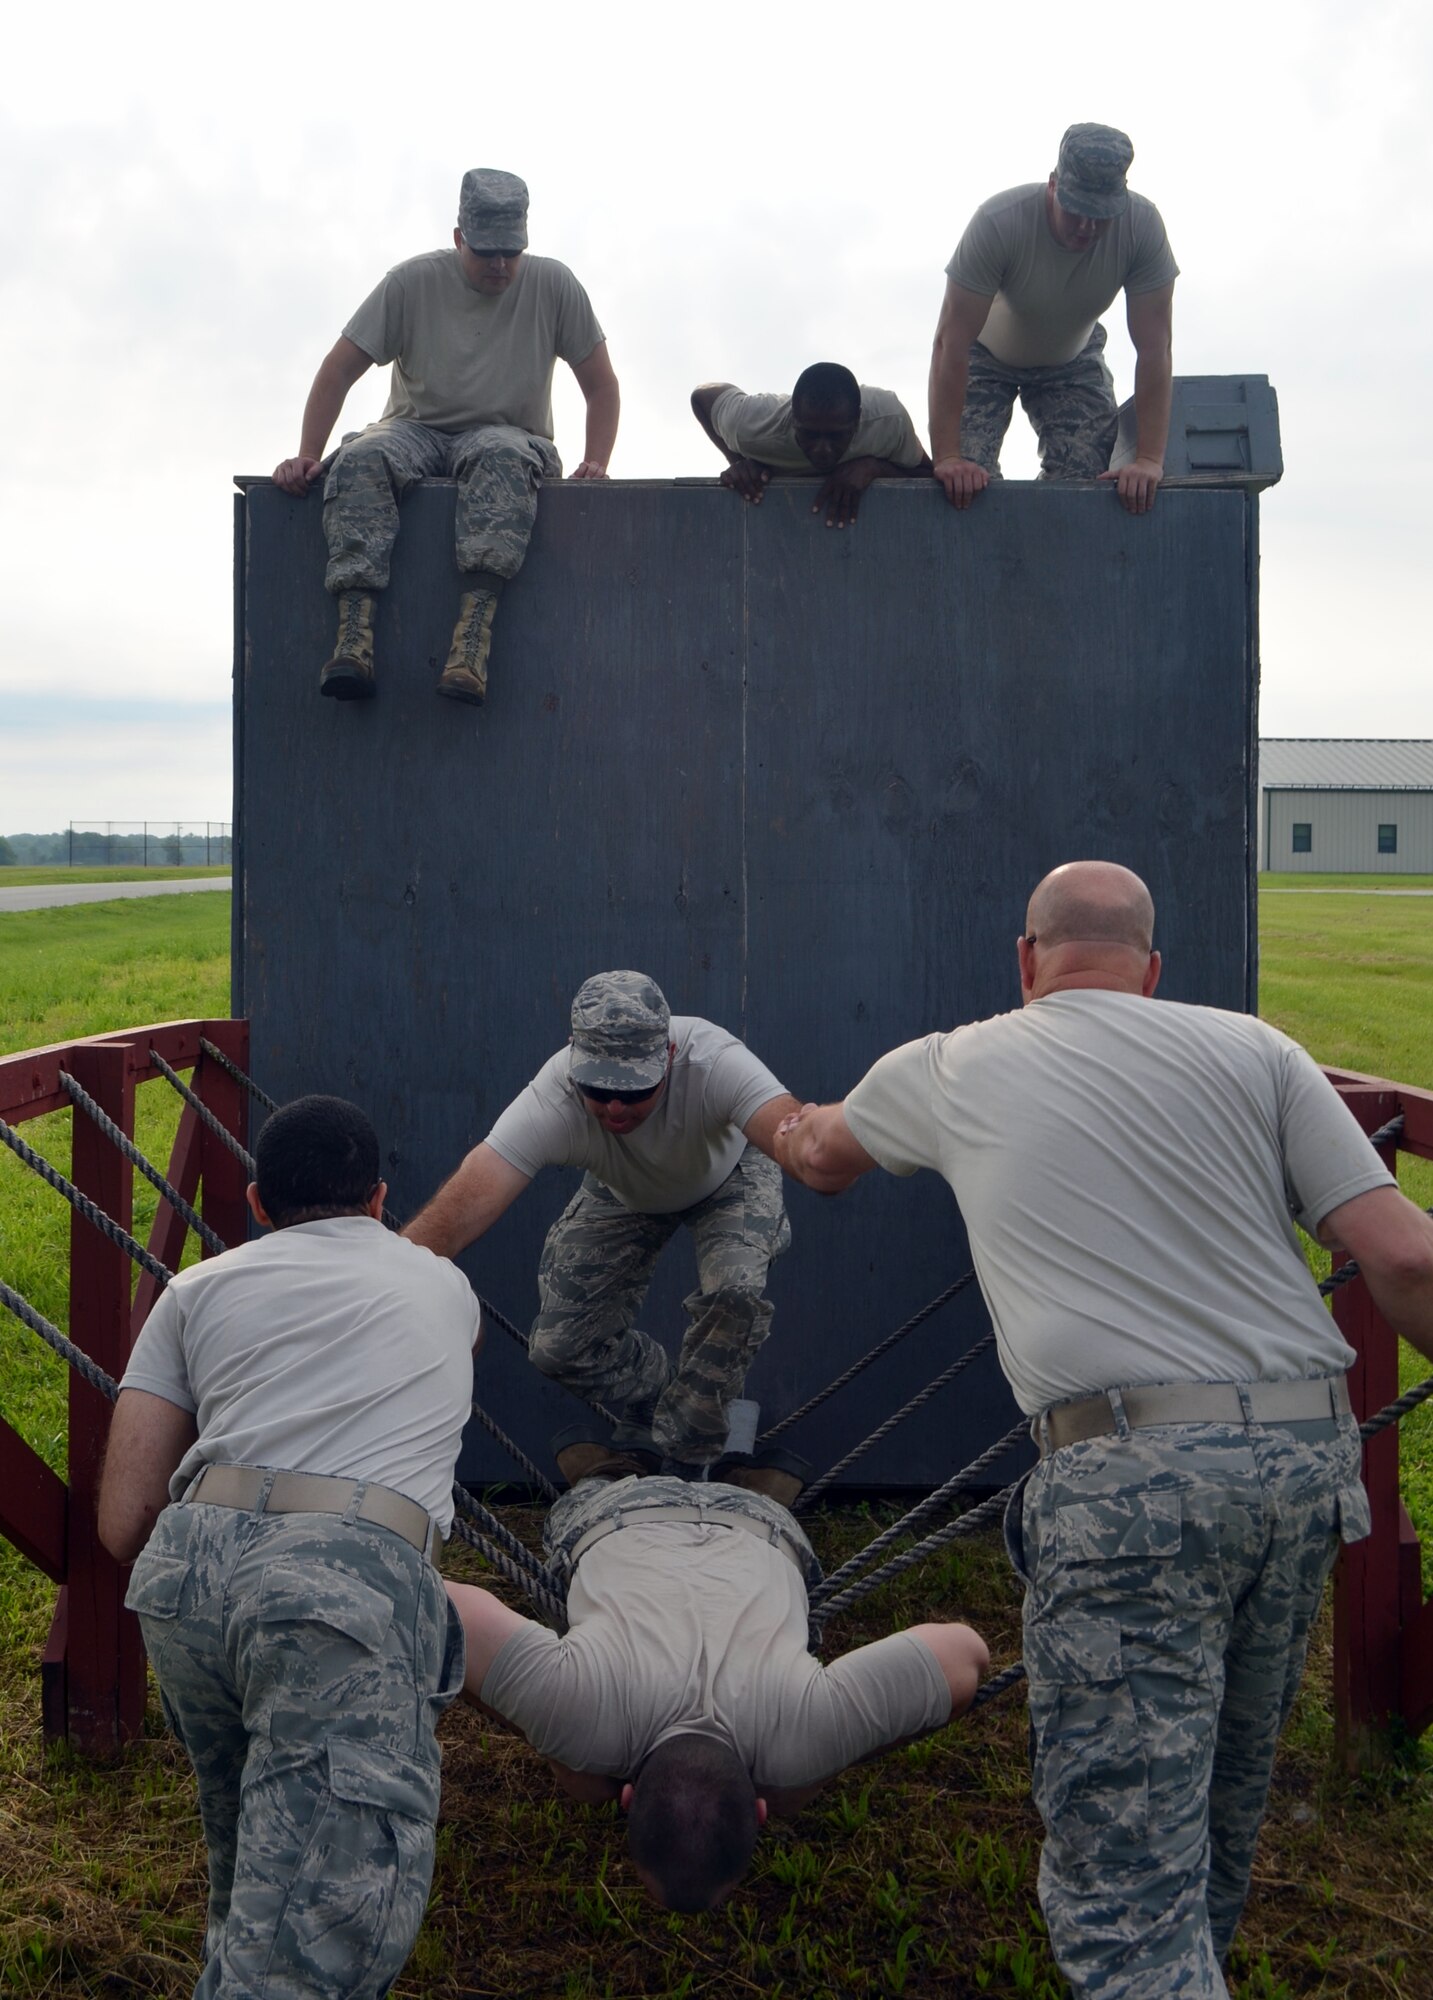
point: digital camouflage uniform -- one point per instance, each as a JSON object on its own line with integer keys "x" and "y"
{"x": 596, "y": 1265}
{"x": 498, "y": 469}
{"x": 1071, "y": 405}
{"x": 303, "y": 1660}
{"x": 1171, "y": 1576}
{"x": 593, "y": 1501}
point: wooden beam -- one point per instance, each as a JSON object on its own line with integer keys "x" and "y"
{"x": 34, "y": 1505}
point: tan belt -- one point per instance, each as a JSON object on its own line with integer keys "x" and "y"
{"x": 315, "y": 1493}
{"x": 1190, "y": 1403}
{"x": 639, "y": 1517}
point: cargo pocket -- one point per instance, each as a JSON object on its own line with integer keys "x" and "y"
{"x": 156, "y": 1586}
{"x": 1089, "y": 1767}
{"x": 361, "y": 1882}
{"x": 310, "y": 1594}
{"x": 1354, "y": 1519}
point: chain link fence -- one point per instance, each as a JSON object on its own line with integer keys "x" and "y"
{"x": 128, "y": 843}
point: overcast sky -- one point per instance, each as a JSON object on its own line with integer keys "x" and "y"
{"x": 197, "y": 199}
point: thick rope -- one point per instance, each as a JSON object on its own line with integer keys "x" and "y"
{"x": 923, "y": 1511}
{"x": 921, "y": 1397}
{"x": 965, "y": 1524}
{"x": 228, "y": 1064}
{"x": 998, "y": 1684}
{"x": 546, "y": 1599}
{"x": 66, "y": 1349}
{"x": 881, "y": 1347}
{"x": 536, "y": 1475}
{"x": 205, "y": 1115}
{"x": 80, "y": 1096}
{"x": 1391, "y": 1412}
{"x": 82, "y": 1205}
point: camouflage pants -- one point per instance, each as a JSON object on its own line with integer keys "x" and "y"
{"x": 1171, "y": 1576}
{"x": 591, "y": 1501}
{"x": 498, "y": 470}
{"x": 303, "y": 1660}
{"x": 1070, "y": 405}
{"x": 596, "y": 1265}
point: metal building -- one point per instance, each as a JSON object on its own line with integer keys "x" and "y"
{"x": 1346, "y": 805}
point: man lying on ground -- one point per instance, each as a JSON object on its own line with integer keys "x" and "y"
{"x": 683, "y": 1687}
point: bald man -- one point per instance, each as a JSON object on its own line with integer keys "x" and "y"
{"x": 1129, "y": 1173}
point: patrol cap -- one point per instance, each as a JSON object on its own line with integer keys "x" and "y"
{"x": 1090, "y": 172}
{"x": 492, "y": 210}
{"x": 621, "y": 1025}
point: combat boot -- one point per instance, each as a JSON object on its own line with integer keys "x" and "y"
{"x": 583, "y": 1453}
{"x": 779, "y": 1474}
{"x": 465, "y": 677}
{"x": 348, "y": 676}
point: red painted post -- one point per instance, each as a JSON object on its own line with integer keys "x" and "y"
{"x": 224, "y": 1207}
{"x": 104, "y": 1655}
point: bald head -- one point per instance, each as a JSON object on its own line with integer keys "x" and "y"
{"x": 1089, "y": 923}
{"x": 1092, "y": 902}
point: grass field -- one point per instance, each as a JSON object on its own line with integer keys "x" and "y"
{"x": 42, "y": 877}
{"x": 915, "y": 1877}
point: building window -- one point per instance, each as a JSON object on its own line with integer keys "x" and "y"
{"x": 1303, "y": 836}
{"x": 1388, "y": 839}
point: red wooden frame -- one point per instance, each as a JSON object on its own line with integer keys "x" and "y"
{"x": 1383, "y": 1628}
{"x": 92, "y": 1669}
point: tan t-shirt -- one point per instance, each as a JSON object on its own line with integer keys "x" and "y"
{"x": 1129, "y": 1171}
{"x": 1044, "y": 299}
{"x": 460, "y": 358}
{"x": 679, "y": 1626}
{"x": 331, "y": 1347}
{"x": 676, "y": 1157}
{"x": 760, "y": 427}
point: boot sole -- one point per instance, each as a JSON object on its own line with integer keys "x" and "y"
{"x": 456, "y": 693}
{"x": 346, "y": 684}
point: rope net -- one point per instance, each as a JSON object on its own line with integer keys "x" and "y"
{"x": 476, "y": 1524}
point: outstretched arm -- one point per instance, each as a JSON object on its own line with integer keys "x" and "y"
{"x": 1150, "y": 318}
{"x": 598, "y": 383}
{"x": 469, "y": 1202}
{"x": 962, "y": 319}
{"x": 148, "y": 1436}
{"x": 337, "y": 373}
{"x": 760, "y": 1128}
{"x": 841, "y": 494}
{"x": 1393, "y": 1241}
{"x": 817, "y": 1147}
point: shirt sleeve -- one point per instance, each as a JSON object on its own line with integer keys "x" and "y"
{"x": 1327, "y": 1157}
{"x": 1153, "y": 266}
{"x": 377, "y": 326}
{"x": 728, "y": 412}
{"x": 156, "y": 1363}
{"x": 860, "y": 1703}
{"x": 536, "y": 1130}
{"x": 577, "y": 329}
{"x": 889, "y": 1112}
{"x": 538, "y": 1683}
{"x": 738, "y": 1084}
{"x": 980, "y": 256}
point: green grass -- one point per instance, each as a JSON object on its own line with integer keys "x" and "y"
{"x": 91, "y": 967}
{"x": 41, "y": 876}
{"x": 915, "y": 1876}
{"x": 1369, "y": 883}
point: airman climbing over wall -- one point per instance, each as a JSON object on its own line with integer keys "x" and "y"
{"x": 1024, "y": 292}
{"x": 673, "y": 1120}
{"x": 829, "y": 425}
{"x": 474, "y": 334}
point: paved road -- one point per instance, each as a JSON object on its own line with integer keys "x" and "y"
{"x": 51, "y": 895}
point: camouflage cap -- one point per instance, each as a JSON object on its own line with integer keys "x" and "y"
{"x": 621, "y": 1025}
{"x": 1090, "y": 172}
{"x": 492, "y": 210}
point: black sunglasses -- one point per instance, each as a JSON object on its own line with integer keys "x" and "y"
{"x": 618, "y": 1096}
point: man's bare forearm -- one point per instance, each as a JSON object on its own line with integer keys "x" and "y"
{"x": 323, "y": 408}
{"x": 949, "y": 378}
{"x": 1153, "y": 396}
{"x": 604, "y": 409}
